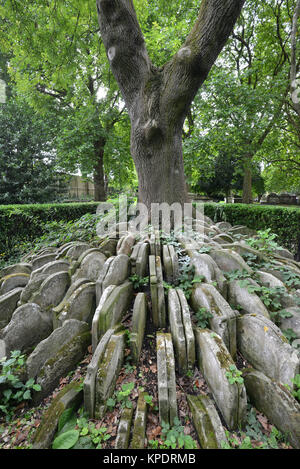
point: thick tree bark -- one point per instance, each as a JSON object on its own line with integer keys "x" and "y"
{"x": 99, "y": 182}
{"x": 158, "y": 100}
{"x": 247, "y": 183}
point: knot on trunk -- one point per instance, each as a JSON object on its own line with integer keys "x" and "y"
{"x": 152, "y": 131}
{"x": 184, "y": 53}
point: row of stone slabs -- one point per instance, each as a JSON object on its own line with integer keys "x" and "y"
{"x": 49, "y": 284}
{"x": 177, "y": 308}
{"x": 33, "y": 323}
{"x": 171, "y": 393}
{"x": 267, "y": 395}
{"x": 277, "y": 360}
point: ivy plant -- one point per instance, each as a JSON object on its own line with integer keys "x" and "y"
{"x": 15, "y": 390}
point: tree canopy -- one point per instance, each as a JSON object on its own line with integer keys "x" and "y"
{"x": 53, "y": 57}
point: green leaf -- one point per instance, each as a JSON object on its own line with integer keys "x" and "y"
{"x": 29, "y": 383}
{"x": 27, "y": 395}
{"x": 36, "y": 387}
{"x": 65, "y": 416}
{"x": 84, "y": 431}
{"x": 66, "y": 440}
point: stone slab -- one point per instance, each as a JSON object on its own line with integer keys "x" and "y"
{"x": 276, "y": 403}
{"x": 266, "y": 348}
{"x": 215, "y": 362}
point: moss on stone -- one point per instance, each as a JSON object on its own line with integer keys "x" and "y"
{"x": 45, "y": 432}
{"x": 139, "y": 429}
{"x": 202, "y": 423}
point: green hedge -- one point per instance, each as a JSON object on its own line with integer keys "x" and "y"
{"x": 25, "y": 222}
{"x": 283, "y": 221}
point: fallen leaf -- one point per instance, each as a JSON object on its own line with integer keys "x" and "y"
{"x": 264, "y": 422}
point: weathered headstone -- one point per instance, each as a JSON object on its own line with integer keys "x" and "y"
{"x": 215, "y": 362}
{"x": 75, "y": 251}
{"x": 12, "y": 281}
{"x": 125, "y": 244}
{"x": 81, "y": 305}
{"x": 108, "y": 372}
{"x": 292, "y": 322}
{"x": 32, "y": 287}
{"x": 27, "y": 327}
{"x": 52, "y": 290}
{"x": 55, "y": 356}
{"x": 229, "y": 260}
{"x": 89, "y": 384}
{"x": 70, "y": 397}
{"x": 8, "y": 303}
{"x": 170, "y": 263}
{"x": 247, "y": 302}
{"x": 111, "y": 309}
{"x": 141, "y": 265}
{"x": 139, "y": 317}
{"x": 115, "y": 271}
{"x": 267, "y": 350}
{"x": 223, "y": 320}
{"x": 122, "y": 439}
{"x": 90, "y": 265}
{"x": 166, "y": 379}
{"x": 181, "y": 330}
{"x": 157, "y": 292}
{"x": 139, "y": 428}
{"x": 21, "y": 268}
{"x": 207, "y": 422}
{"x": 39, "y": 261}
{"x": 51, "y": 268}
{"x": 276, "y": 403}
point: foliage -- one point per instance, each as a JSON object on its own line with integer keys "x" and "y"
{"x": 148, "y": 399}
{"x": 78, "y": 433}
{"x": 186, "y": 279}
{"x": 234, "y": 375}
{"x": 264, "y": 241}
{"x": 254, "y": 436}
{"x": 291, "y": 336}
{"x": 173, "y": 437}
{"x": 242, "y": 114}
{"x": 296, "y": 391}
{"x": 138, "y": 282}
{"x": 46, "y": 220}
{"x": 122, "y": 397}
{"x": 14, "y": 389}
{"x": 203, "y": 316}
{"x": 27, "y": 161}
{"x": 283, "y": 221}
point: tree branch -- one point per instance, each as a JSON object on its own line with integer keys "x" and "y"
{"x": 187, "y": 70}
{"x": 125, "y": 46}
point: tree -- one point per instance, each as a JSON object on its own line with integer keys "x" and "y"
{"x": 295, "y": 60}
{"x": 158, "y": 98}
{"x": 225, "y": 176}
{"x": 58, "y": 62}
{"x": 244, "y": 107}
{"x": 26, "y": 159}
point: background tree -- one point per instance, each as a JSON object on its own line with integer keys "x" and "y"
{"x": 241, "y": 108}
{"x": 26, "y": 156}
{"x": 59, "y": 63}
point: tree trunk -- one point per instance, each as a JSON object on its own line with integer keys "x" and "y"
{"x": 247, "y": 184}
{"x": 99, "y": 183}
{"x": 156, "y": 148}
{"x": 159, "y": 99}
